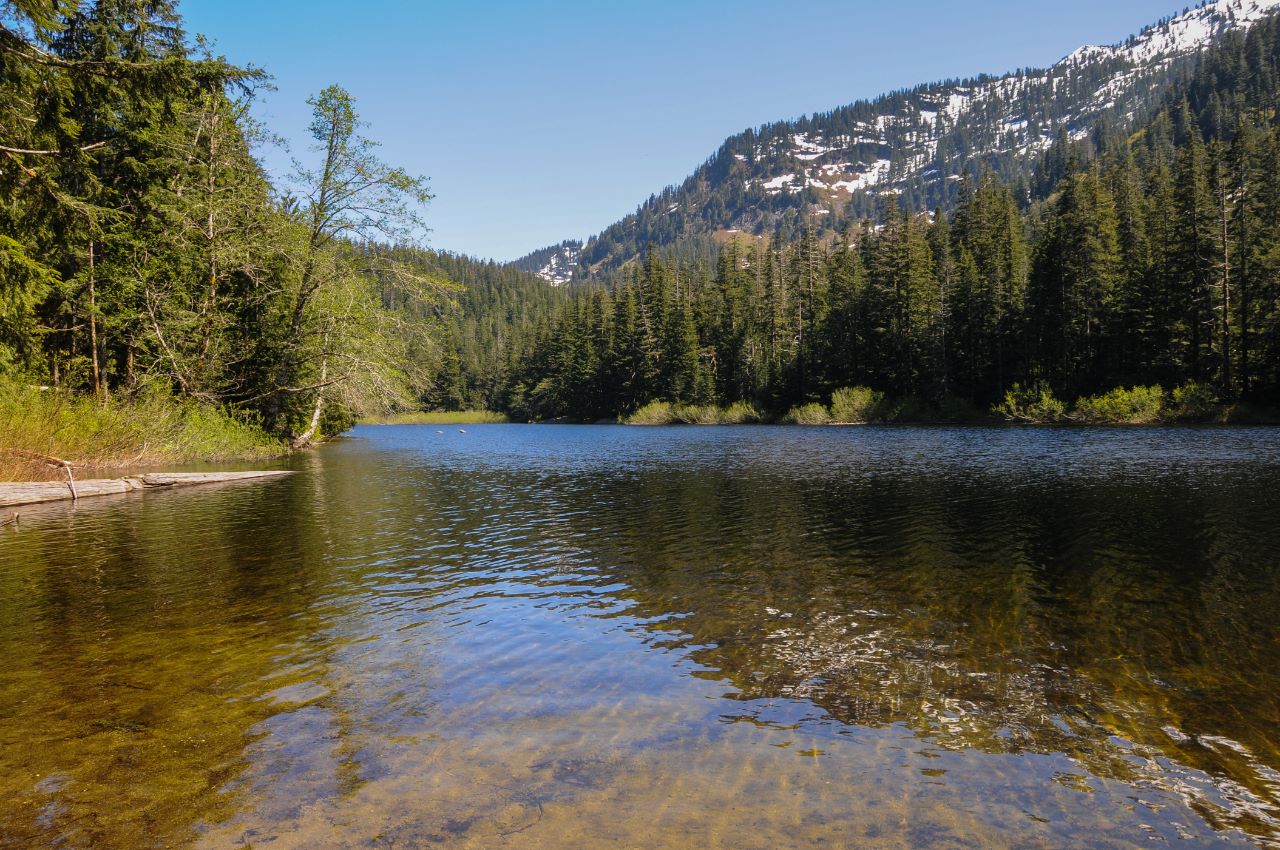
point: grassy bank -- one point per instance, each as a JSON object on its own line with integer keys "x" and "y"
{"x": 440, "y": 417}
{"x": 150, "y": 431}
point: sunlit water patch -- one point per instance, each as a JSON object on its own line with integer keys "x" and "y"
{"x": 559, "y": 637}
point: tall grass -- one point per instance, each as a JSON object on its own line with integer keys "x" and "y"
{"x": 665, "y": 413}
{"x": 147, "y": 431}
{"x": 444, "y": 417}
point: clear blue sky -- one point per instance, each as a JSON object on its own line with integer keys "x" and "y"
{"x": 539, "y": 121}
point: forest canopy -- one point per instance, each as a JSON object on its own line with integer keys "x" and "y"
{"x": 143, "y": 248}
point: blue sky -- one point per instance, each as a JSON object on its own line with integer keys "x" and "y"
{"x": 544, "y": 121}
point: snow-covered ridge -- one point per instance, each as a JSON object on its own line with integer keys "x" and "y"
{"x": 899, "y": 147}
{"x": 1186, "y": 33}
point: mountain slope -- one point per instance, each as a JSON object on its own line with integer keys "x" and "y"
{"x": 913, "y": 144}
{"x": 555, "y": 264}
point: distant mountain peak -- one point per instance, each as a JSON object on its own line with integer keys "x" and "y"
{"x": 1186, "y": 33}
{"x": 914, "y": 144}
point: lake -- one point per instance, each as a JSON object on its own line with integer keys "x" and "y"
{"x": 582, "y": 637}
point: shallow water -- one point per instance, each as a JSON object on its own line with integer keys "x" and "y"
{"x": 562, "y": 637}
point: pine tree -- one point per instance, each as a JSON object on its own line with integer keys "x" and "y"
{"x": 1075, "y": 284}
{"x": 1195, "y": 253}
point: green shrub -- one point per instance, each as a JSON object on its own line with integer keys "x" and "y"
{"x": 653, "y": 413}
{"x": 808, "y": 414}
{"x": 1134, "y": 406}
{"x": 740, "y": 413}
{"x": 664, "y": 413}
{"x": 1031, "y": 404}
{"x": 857, "y": 405}
{"x": 697, "y": 414}
{"x": 1193, "y": 402}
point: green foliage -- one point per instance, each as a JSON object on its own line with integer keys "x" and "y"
{"x": 653, "y": 413}
{"x": 857, "y": 405}
{"x": 1135, "y": 406}
{"x": 741, "y": 413}
{"x": 24, "y": 283}
{"x": 1036, "y": 403}
{"x": 1193, "y": 402}
{"x": 144, "y": 249}
{"x": 696, "y": 414}
{"x": 664, "y": 413}
{"x": 439, "y": 417}
{"x": 808, "y": 414}
{"x": 155, "y": 428}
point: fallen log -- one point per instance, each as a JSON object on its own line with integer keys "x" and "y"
{"x": 35, "y": 492}
{"x": 65, "y": 465}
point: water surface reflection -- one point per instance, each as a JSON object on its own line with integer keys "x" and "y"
{"x": 582, "y": 637}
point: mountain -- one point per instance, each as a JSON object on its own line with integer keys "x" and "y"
{"x": 555, "y": 264}
{"x": 914, "y": 145}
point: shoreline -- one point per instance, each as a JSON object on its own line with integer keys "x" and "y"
{"x": 938, "y": 423}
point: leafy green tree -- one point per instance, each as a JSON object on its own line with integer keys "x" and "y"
{"x": 351, "y": 196}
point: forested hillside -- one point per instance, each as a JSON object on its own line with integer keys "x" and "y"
{"x": 486, "y": 330}
{"x": 1153, "y": 259}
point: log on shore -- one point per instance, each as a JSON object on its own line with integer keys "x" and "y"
{"x": 35, "y": 492}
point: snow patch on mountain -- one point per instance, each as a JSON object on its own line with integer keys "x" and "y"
{"x": 897, "y": 147}
{"x": 560, "y": 267}
{"x": 1184, "y": 34}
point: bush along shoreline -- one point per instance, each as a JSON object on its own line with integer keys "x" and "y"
{"x": 1190, "y": 403}
{"x": 438, "y": 417}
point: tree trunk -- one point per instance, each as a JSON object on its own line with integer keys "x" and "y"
{"x": 1246, "y": 389}
{"x": 93, "y": 328}
{"x": 307, "y": 437}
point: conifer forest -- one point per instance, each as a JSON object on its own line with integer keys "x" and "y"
{"x": 144, "y": 250}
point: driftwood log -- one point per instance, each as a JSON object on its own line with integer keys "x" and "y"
{"x": 65, "y": 465}
{"x": 31, "y": 493}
